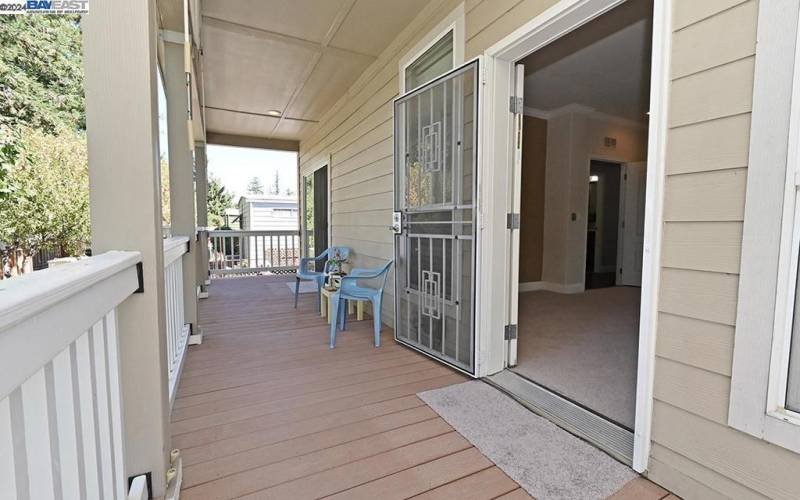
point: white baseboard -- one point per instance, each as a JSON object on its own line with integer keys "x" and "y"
{"x": 533, "y": 286}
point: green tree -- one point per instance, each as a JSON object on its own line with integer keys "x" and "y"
{"x": 275, "y": 187}
{"x": 43, "y": 173}
{"x": 41, "y": 75}
{"x": 255, "y": 186}
{"x": 218, "y": 201}
{"x": 49, "y": 207}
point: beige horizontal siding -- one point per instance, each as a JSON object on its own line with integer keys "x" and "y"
{"x": 711, "y": 145}
{"x": 692, "y": 480}
{"x": 703, "y": 246}
{"x": 685, "y": 12}
{"x": 694, "y": 342}
{"x": 695, "y": 453}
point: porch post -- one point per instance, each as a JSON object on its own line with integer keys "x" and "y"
{"x": 181, "y": 166}
{"x": 120, "y": 40}
{"x": 201, "y": 180}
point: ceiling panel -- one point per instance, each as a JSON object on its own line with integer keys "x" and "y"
{"x": 307, "y": 19}
{"x": 332, "y": 76}
{"x": 604, "y": 65}
{"x": 373, "y": 24}
{"x": 262, "y": 55}
{"x": 251, "y": 73}
{"x": 292, "y": 129}
{"x": 225, "y": 122}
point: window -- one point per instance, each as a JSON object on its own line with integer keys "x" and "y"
{"x": 435, "y": 61}
{"x": 765, "y": 380}
{"x": 793, "y": 363}
{"x": 441, "y": 50}
{"x": 785, "y": 366}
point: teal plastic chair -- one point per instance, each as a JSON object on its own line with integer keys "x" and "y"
{"x": 303, "y": 274}
{"x": 354, "y": 288}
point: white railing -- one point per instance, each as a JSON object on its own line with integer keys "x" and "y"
{"x": 251, "y": 252}
{"x": 177, "y": 329}
{"x": 61, "y": 433}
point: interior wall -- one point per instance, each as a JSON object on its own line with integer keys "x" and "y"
{"x": 531, "y": 243}
{"x": 573, "y": 139}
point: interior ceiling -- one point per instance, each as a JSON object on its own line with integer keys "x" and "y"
{"x": 294, "y": 56}
{"x": 604, "y": 65}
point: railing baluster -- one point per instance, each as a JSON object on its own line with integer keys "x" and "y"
{"x": 61, "y": 428}
{"x": 250, "y": 252}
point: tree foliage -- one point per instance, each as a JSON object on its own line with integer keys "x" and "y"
{"x": 218, "y": 201}
{"x": 255, "y": 186}
{"x": 49, "y": 207}
{"x": 275, "y": 187}
{"x": 41, "y": 73}
{"x": 43, "y": 166}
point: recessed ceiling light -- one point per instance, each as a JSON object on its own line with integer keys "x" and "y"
{"x": 274, "y": 112}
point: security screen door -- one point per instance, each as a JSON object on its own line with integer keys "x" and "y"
{"x": 434, "y": 219}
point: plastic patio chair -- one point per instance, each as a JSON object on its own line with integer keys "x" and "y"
{"x": 352, "y": 290}
{"x": 303, "y": 274}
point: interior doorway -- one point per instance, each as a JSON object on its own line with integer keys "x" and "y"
{"x": 582, "y": 174}
{"x": 603, "y": 221}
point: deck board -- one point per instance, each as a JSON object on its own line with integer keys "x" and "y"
{"x": 265, "y": 410}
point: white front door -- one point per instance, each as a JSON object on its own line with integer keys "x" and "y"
{"x": 435, "y": 198}
{"x": 631, "y": 230}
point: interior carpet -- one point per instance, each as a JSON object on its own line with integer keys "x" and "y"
{"x": 547, "y": 461}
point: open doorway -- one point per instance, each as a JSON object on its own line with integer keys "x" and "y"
{"x": 581, "y": 229}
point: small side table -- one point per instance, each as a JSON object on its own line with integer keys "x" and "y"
{"x": 325, "y": 305}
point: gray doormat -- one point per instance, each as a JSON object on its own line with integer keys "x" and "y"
{"x": 547, "y": 461}
{"x": 305, "y": 286}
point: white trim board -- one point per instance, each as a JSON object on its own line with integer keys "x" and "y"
{"x": 558, "y": 20}
{"x": 761, "y": 238}
{"x": 535, "y": 286}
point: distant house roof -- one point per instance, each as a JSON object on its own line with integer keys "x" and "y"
{"x": 271, "y": 198}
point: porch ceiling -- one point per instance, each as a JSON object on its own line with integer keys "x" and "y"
{"x": 294, "y": 56}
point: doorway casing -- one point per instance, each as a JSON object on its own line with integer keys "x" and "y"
{"x": 496, "y": 187}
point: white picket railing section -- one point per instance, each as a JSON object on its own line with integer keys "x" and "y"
{"x": 177, "y": 329}
{"x": 246, "y": 252}
{"x": 61, "y": 433}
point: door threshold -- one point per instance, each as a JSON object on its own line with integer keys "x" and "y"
{"x": 602, "y": 433}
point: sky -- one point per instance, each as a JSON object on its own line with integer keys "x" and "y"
{"x": 235, "y": 167}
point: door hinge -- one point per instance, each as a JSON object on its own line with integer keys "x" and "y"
{"x": 511, "y": 332}
{"x": 515, "y": 105}
{"x": 512, "y": 221}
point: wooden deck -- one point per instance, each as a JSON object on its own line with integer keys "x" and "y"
{"x": 266, "y": 410}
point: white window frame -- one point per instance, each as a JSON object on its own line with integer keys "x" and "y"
{"x": 455, "y": 22}
{"x": 771, "y": 235}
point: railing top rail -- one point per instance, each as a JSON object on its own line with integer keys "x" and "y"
{"x": 174, "y": 247}
{"x": 223, "y": 232}
{"x": 44, "y": 312}
{"x": 29, "y": 294}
